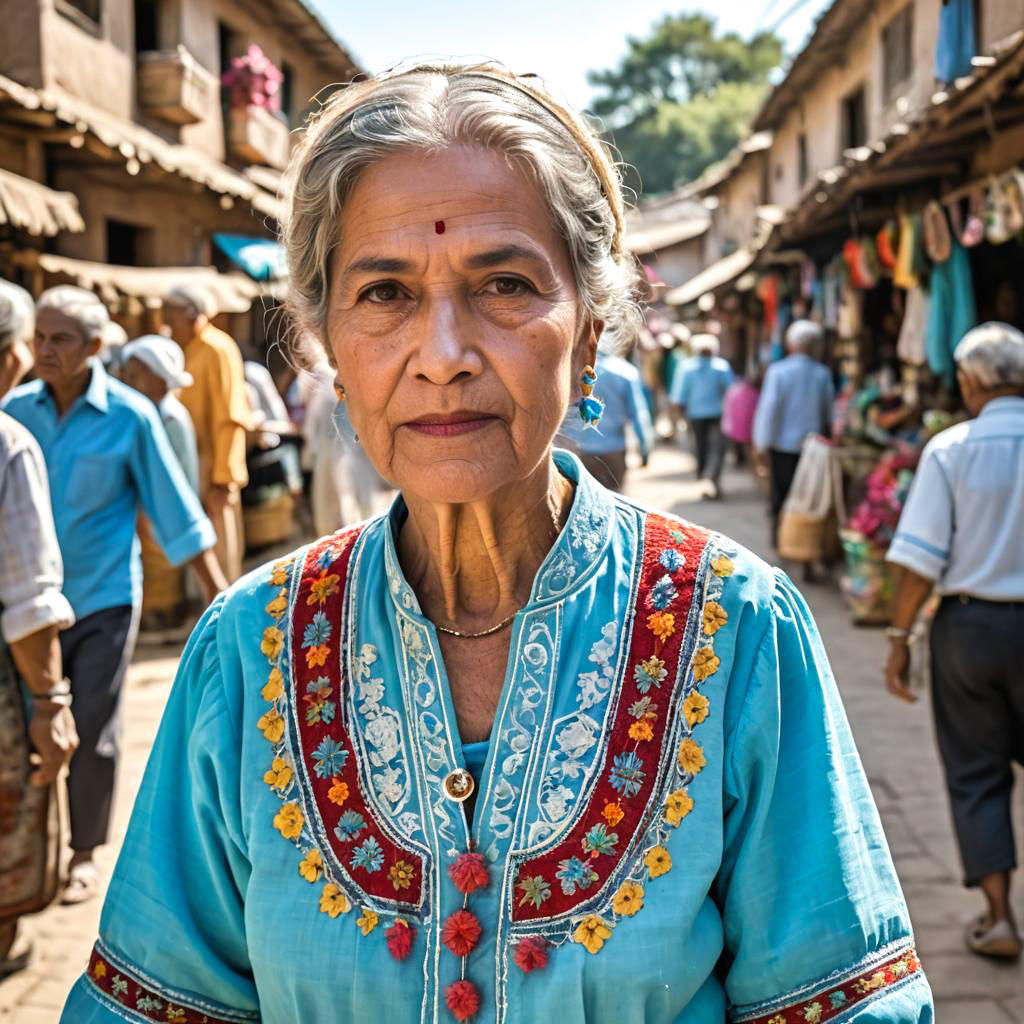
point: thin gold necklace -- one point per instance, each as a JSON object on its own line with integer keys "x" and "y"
{"x": 475, "y": 636}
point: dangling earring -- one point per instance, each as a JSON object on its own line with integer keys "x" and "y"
{"x": 590, "y": 405}
{"x": 339, "y": 390}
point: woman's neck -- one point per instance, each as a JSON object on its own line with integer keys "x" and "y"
{"x": 473, "y": 564}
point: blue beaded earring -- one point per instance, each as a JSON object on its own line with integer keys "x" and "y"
{"x": 590, "y": 405}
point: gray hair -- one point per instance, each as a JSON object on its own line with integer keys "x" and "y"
{"x": 82, "y": 306}
{"x": 993, "y": 354}
{"x": 430, "y": 108}
{"x": 17, "y": 315}
{"x": 192, "y": 296}
{"x": 705, "y": 343}
{"x": 803, "y": 334}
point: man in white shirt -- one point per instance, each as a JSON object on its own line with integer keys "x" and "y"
{"x": 962, "y": 533}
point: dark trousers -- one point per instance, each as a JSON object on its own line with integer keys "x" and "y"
{"x": 608, "y": 469}
{"x": 783, "y": 469}
{"x": 978, "y": 702}
{"x": 709, "y": 447}
{"x": 96, "y": 652}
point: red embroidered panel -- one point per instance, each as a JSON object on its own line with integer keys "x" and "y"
{"x": 833, "y": 1000}
{"x": 560, "y": 879}
{"x": 372, "y": 859}
{"x": 126, "y": 990}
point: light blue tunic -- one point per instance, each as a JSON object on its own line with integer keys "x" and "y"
{"x": 672, "y": 810}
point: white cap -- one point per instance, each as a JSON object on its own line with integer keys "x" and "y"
{"x": 704, "y": 343}
{"x": 161, "y": 355}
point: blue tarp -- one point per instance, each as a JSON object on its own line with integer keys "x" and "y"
{"x": 261, "y": 258}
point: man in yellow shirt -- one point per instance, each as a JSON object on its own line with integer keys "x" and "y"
{"x": 219, "y": 406}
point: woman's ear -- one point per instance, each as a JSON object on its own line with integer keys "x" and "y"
{"x": 586, "y": 347}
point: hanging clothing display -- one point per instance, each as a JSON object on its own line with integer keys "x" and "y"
{"x": 952, "y": 313}
{"x": 911, "y": 344}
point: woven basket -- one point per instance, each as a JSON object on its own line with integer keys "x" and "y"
{"x": 269, "y": 523}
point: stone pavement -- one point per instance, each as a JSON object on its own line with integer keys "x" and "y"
{"x": 895, "y": 742}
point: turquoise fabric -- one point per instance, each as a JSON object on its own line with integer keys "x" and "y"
{"x": 106, "y": 458}
{"x": 951, "y": 313}
{"x": 957, "y": 42}
{"x": 475, "y": 756}
{"x": 780, "y": 874}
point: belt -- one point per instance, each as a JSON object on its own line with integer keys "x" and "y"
{"x": 971, "y": 599}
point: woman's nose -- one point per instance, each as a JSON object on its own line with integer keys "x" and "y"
{"x": 447, "y": 349}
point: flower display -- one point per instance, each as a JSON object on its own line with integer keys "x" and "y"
{"x": 469, "y": 872}
{"x": 350, "y": 824}
{"x": 318, "y": 707}
{"x": 531, "y": 954}
{"x": 253, "y": 80}
{"x": 886, "y": 488}
{"x": 628, "y": 899}
{"x": 462, "y": 998}
{"x": 461, "y": 932}
{"x": 592, "y": 933}
{"x": 322, "y": 588}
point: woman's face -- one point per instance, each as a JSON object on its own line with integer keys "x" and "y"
{"x": 455, "y": 322}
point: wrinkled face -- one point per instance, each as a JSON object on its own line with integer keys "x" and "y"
{"x": 455, "y": 322}
{"x": 136, "y": 374}
{"x": 61, "y": 350}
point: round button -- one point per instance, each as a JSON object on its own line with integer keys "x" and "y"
{"x": 459, "y": 785}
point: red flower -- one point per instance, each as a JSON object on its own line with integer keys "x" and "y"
{"x": 461, "y": 932}
{"x": 462, "y": 999}
{"x": 469, "y": 872}
{"x": 531, "y": 954}
{"x": 399, "y": 937}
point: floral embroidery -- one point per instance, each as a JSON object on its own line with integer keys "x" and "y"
{"x": 628, "y": 899}
{"x": 658, "y": 861}
{"x": 696, "y": 708}
{"x": 318, "y": 707}
{"x": 671, "y": 559}
{"x": 322, "y": 588}
{"x": 311, "y": 866}
{"x": 715, "y": 617}
{"x": 279, "y": 774}
{"x": 368, "y": 855}
{"x": 368, "y": 921}
{"x": 272, "y": 643}
{"x": 649, "y": 672}
{"x": 271, "y": 724}
{"x": 333, "y": 901}
{"x": 274, "y": 687}
{"x": 662, "y": 594}
{"x": 677, "y": 806}
{"x": 329, "y": 758}
{"x": 592, "y": 933}
{"x": 288, "y": 821}
{"x": 612, "y": 813}
{"x": 338, "y": 793}
{"x": 279, "y": 575}
{"x": 535, "y": 890}
{"x": 641, "y": 732}
{"x": 722, "y": 565}
{"x": 349, "y": 826}
{"x": 314, "y": 640}
{"x": 600, "y": 841}
{"x": 690, "y": 757}
{"x": 662, "y": 624}
{"x": 643, "y": 708}
{"x": 279, "y": 605}
{"x": 627, "y": 773}
{"x": 400, "y": 875}
{"x": 705, "y": 664}
{"x": 574, "y": 873}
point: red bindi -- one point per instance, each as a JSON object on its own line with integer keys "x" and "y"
{"x": 439, "y": 227}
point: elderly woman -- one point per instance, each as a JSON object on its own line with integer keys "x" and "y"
{"x": 518, "y": 749}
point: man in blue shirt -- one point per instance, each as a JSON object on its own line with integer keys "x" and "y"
{"x": 106, "y": 455}
{"x": 698, "y": 388}
{"x": 796, "y": 401}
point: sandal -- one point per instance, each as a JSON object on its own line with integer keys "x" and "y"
{"x": 83, "y": 884}
{"x": 999, "y": 941}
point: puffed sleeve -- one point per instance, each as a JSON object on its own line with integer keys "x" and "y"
{"x": 815, "y": 921}
{"x": 172, "y": 935}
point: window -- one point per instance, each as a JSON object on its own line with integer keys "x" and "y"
{"x": 147, "y": 26}
{"x": 802, "y": 166}
{"x": 91, "y": 9}
{"x": 897, "y": 52}
{"x": 853, "y": 120}
{"x": 128, "y": 245}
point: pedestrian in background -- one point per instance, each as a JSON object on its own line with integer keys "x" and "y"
{"x": 962, "y": 533}
{"x": 33, "y": 612}
{"x": 738, "y": 409}
{"x": 698, "y": 389}
{"x": 218, "y": 403}
{"x": 796, "y": 401}
{"x": 603, "y": 449}
{"x": 106, "y": 455}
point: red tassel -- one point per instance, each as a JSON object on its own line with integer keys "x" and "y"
{"x": 461, "y": 932}
{"x": 531, "y": 954}
{"x": 399, "y": 938}
{"x": 469, "y": 872}
{"x": 462, "y": 999}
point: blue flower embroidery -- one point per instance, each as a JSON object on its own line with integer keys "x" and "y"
{"x": 650, "y": 672}
{"x": 662, "y": 594}
{"x": 318, "y": 632}
{"x": 642, "y": 707}
{"x": 326, "y": 557}
{"x": 368, "y": 856}
{"x": 318, "y": 707}
{"x": 329, "y": 758}
{"x": 600, "y": 841}
{"x": 837, "y": 999}
{"x": 627, "y": 773}
{"x": 573, "y": 873}
{"x": 349, "y": 826}
{"x": 672, "y": 560}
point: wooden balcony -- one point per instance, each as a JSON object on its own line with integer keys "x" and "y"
{"x": 256, "y": 136}
{"x": 174, "y": 87}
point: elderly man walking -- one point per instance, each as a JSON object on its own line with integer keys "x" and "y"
{"x": 962, "y": 533}
{"x": 796, "y": 401}
{"x": 107, "y": 455}
{"x": 218, "y": 403}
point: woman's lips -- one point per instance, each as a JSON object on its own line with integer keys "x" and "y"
{"x": 451, "y": 424}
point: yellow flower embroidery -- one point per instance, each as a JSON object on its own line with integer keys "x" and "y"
{"x": 690, "y": 757}
{"x": 279, "y": 775}
{"x": 271, "y": 724}
{"x": 311, "y": 866}
{"x": 661, "y": 624}
{"x": 274, "y": 686}
{"x": 176, "y": 1015}
{"x": 641, "y": 731}
{"x": 677, "y": 806}
{"x": 696, "y": 708}
{"x": 99, "y": 970}
{"x": 368, "y": 921}
{"x": 715, "y": 617}
{"x": 322, "y": 588}
{"x": 777, "y": 1019}
{"x": 592, "y": 933}
{"x": 333, "y": 901}
{"x": 316, "y": 656}
{"x": 338, "y": 793}
{"x": 279, "y": 605}
{"x": 722, "y": 566}
{"x": 279, "y": 576}
{"x": 612, "y": 813}
{"x": 658, "y": 861}
{"x": 705, "y": 664}
{"x": 628, "y": 899}
{"x": 400, "y": 874}
{"x": 272, "y": 643}
{"x": 812, "y": 1014}
{"x": 288, "y": 821}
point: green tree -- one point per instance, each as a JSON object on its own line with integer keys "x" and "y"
{"x": 682, "y": 97}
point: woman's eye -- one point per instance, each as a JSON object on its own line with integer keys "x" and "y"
{"x": 387, "y": 291}
{"x": 508, "y": 287}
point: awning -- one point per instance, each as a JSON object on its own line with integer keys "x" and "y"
{"x": 711, "y": 278}
{"x": 36, "y": 209}
{"x": 232, "y": 293}
{"x": 661, "y": 236}
{"x": 261, "y": 258}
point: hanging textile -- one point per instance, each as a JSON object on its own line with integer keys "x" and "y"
{"x": 911, "y": 344}
{"x": 953, "y": 312}
{"x": 957, "y": 40}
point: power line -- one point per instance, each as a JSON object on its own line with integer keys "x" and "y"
{"x": 794, "y": 8}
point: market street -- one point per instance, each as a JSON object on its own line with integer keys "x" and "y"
{"x": 895, "y": 742}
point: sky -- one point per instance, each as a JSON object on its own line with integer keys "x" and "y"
{"x": 558, "y": 39}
